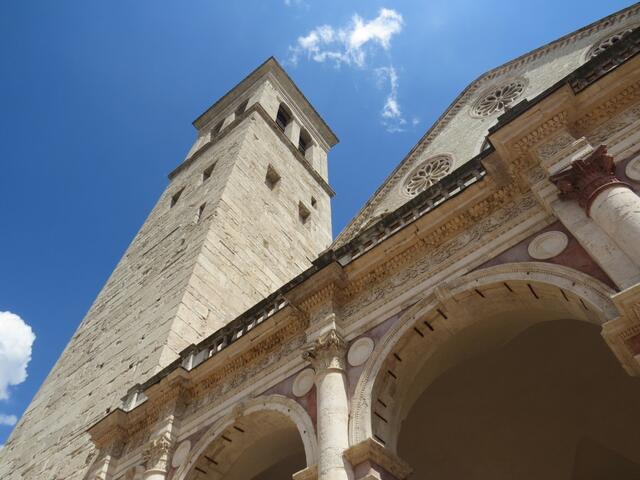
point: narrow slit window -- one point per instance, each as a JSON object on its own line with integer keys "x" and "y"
{"x": 206, "y": 174}
{"x": 303, "y": 212}
{"x": 175, "y": 197}
{"x": 314, "y": 202}
{"x": 272, "y": 177}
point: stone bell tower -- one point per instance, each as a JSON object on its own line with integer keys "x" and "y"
{"x": 244, "y": 213}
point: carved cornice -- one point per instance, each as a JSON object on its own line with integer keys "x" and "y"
{"x": 534, "y": 137}
{"x": 455, "y": 225}
{"x": 371, "y": 451}
{"x": 586, "y": 178}
{"x": 327, "y": 353}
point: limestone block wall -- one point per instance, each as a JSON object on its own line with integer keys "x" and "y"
{"x": 227, "y": 242}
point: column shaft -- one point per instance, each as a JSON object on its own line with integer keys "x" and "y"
{"x": 617, "y": 211}
{"x": 333, "y": 424}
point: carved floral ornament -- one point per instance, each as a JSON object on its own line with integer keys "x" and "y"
{"x": 586, "y": 178}
{"x": 426, "y": 174}
{"x": 499, "y": 98}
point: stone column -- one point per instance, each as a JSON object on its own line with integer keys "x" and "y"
{"x": 610, "y": 202}
{"x": 327, "y": 355}
{"x": 156, "y": 456}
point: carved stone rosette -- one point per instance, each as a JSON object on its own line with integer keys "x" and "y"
{"x": 327, "y": 353}
{"x": 586, "y": 178}
{"x": 156, "y": 454}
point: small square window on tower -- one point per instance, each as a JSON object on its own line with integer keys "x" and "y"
{"x": 217, "y": 128}
{"x": 207, "y": 172}
{"x": 175, "y": 197}
{"x": 200, "y": 212}
{"x": 314, "y": 202}
{"x": 272, "y": 177}
{"x": 304, "y": 212}
{"x": 241, "y": 108}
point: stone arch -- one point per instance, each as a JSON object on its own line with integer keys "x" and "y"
{"x": 261, "y": 409}
{"x": 445, "y": 312}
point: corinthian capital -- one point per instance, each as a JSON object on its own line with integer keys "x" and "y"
{"x": 327, "y": 352}
{"x": 156, "y": 454}
{"x": 587, "y": 177}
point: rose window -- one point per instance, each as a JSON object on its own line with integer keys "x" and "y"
{"x": 609, "y": 41}
{"x": 499, "y": 99}
{"x": 427, "y": 174}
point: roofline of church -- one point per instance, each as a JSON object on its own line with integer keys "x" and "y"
{"x": 443, "y": 119}
{"x": 271, "y": 64}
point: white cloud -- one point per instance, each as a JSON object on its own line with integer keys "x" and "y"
{"x": 392, "y": 117}
{"x": 16, "y": 339}
{"x": 9, "y": 420}
{"x": 353, "y": 45}
{"x": 348, "y": 45}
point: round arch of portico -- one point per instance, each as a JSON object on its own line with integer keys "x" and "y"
{"x": 590, "y": 299}
{"x": 279, "y": 404}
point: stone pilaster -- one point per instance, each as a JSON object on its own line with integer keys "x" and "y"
{"x": 623, "y": 333}
{"x": 109, "y": 439}
{"x": 328, "y": 357}
{"x": 610, "y": 202}
{"x": 373, "y": 461}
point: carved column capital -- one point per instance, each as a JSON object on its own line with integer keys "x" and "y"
{"x": 328, "y": 352}
{"x": 156, "y": 454}
{"x": 586, "y": 178}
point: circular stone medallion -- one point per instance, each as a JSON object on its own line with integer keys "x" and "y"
{"x": 548, "y": 245}
{"x": 633, "y": 169}
{"x": 360, "y": 351}
{"x": 181, "y": 453}
{"x": 303, "y": 382}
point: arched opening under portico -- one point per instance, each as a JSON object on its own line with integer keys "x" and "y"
{"x": 511, "y": 379}
{"x": 258, "y": 444}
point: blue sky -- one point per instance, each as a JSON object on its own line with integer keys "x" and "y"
{"x": 97, "y": 100}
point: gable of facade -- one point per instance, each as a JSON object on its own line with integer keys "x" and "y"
{"x": 460, "y": 133}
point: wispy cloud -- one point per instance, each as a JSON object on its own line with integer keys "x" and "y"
{"x": 290, "y": 3}
{"x": 353, "y": 45}
{"x": 392, "y": 117}
{"x": 9, "y": 420}
{"x": 349, "y": 44}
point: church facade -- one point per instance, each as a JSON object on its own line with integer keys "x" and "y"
{"x": 479, "y": 318}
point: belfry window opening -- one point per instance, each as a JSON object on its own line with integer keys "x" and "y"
{"x": 283, "y": 117}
